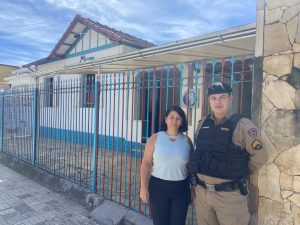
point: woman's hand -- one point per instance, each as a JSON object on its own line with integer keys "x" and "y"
{"x": 144, "y": 195}
{"x": 146, "y": 168}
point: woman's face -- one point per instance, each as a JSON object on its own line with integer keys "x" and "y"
{"x": 173, "y": 120}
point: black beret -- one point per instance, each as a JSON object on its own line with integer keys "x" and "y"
{"x": 219, "y": 88}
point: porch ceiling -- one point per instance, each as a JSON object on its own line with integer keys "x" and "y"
{"x": 233, "y": 42}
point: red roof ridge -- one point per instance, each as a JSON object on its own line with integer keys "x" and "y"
{"x": 111, "y": 33}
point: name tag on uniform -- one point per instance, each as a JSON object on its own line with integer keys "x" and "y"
{"x": 224, "y": 129}
{"x": 204, "y": 127}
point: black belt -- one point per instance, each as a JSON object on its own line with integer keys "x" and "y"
{"x": 226, "y": 186}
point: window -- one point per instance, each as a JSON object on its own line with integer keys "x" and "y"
{"x": 88, "y": 90}
{"x": 49, "y": 92}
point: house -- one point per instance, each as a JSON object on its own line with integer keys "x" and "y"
{"x": 131, "y": 89}
{"x": 5, "y": 70}
{"x": 86, "y": 111}
{"x": 88, "y": 48}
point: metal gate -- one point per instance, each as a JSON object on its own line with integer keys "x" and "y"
{"x": 92, "y": 129}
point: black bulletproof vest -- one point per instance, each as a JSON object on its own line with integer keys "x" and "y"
{"x": 218, "y": 156}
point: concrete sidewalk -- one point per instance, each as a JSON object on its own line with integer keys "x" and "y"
{"x": 25, "y": 202}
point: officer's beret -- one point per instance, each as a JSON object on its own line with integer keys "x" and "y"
{"x": 219, "y": 88}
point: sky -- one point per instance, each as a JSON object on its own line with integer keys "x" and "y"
{"x": 30, "y": 29}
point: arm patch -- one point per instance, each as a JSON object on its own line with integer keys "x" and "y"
{"x": 253, "y": 132}
{"x": 256, "y": 145}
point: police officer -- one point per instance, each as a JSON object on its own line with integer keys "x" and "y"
{"x": 228, "y": 149}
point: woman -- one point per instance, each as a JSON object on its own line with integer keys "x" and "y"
{"x": 164, "y": 182}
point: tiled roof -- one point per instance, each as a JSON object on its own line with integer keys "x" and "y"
{"x": 112, "y": 34}
{"x": 117, "y": 36}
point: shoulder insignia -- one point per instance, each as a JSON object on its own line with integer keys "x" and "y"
{"x": 256, "y": 145}
{"x": 252, "y": 132}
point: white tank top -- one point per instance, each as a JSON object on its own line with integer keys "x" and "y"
{"x": 170, "y": 157}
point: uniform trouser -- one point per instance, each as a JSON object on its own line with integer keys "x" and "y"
{"x": 169, "y": 201}
{"x": 221, "y": 208}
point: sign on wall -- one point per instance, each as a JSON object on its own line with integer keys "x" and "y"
{"x": 189, "y": 98}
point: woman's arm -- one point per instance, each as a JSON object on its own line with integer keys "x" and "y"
{"x": 146, "y": 168}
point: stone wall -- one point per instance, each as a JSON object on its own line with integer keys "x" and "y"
{"x": 278, "y": 23}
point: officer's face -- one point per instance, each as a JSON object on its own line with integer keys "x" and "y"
{"x": 220, "y": 104}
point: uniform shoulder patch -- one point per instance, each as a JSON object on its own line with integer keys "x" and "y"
{"x": 252, "y": 132}
{"x": 256, "y": 145}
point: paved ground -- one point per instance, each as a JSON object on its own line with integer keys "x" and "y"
{"x": 24, "y": 202}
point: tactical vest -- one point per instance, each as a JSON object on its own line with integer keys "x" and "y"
{"x": 218, "y": 156}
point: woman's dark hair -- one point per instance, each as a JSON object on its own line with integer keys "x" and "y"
{"x": 175, "y": 108}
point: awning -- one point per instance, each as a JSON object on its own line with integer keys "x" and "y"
{"x": 237, "y": 41}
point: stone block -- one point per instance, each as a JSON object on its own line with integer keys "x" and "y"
{"x": 109, "y": 213}
{"x": 286, "y": 220}
{"x": 286, "y": 181}
{"x": 296, "y": 48}
{"x": 276, "y": 39}
{"x": 269, "y": 212}
{"x": 93, "y": 200}
{"x": 297, "y": 60}
{"x": 286, "y": 194}
{"x": 269, "y": 147}
{"x": 291, "y": 12}
{"x": 287, "y": 207}
{"x": 284, "y": 101}
{"x": 268, "y": 182}
{"x": 296, "y": 184}
{"x": 292, "y": 26}
{"x": 273, "y": 15}
{"x": 268, "y": 108}
{"x": 298, "y": 31}
{"x": 288, "y": 52}
{"x": 295, "y": 199}
{"x": 282, "y": 131}
{"x": 296, "y": 214}
{"x": 279, "y": 3}
{"x": 135, "y": 218}
{"x": 289, "y": 161}
{"x": 278, "y": 65}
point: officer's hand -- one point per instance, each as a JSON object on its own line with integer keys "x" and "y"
{"x": 193, "y": 194}
{"x": 144, "y": 195}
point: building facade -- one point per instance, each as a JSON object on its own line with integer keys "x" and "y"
{"x": 90, "y": 106}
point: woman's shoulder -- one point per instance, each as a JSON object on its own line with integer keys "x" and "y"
{"x": 152, "y": 139}
{"x": 187, "y": 138}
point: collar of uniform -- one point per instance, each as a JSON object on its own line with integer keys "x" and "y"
{"x": 227, "y": 116}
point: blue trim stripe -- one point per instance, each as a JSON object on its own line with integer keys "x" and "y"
{"x": 99, "y": 48}
{"x": 69, "y": 135}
